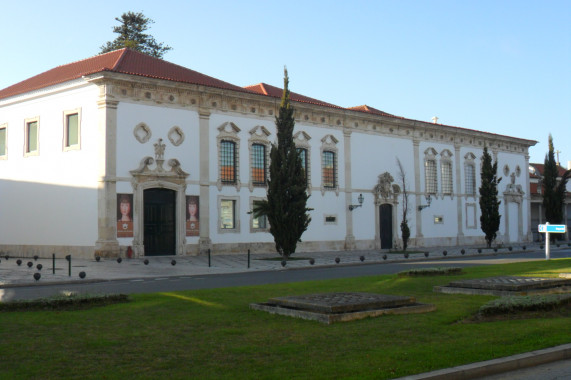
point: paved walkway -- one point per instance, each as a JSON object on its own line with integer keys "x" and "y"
{"x": 12, "y": 274}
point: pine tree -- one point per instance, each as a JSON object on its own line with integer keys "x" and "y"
{"x": 489, "y": 204}
{"x": 286, "y": 204}
{"x": 554, "y": 191}
{"x": 131, "y": 35}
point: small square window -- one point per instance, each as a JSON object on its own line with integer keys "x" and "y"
{"x": 31, "y": 136}
{"x": 438, "y": 220}
{"x": 330, "y": 219}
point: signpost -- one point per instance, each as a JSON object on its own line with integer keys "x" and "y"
{"x": 553, "y": 229}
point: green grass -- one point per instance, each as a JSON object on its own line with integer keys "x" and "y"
{"x": 212, "y": 334}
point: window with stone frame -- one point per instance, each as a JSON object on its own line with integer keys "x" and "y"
{"x": 470, "y": 174}
{"x": 227, "y": 214}
{"x": 258, "y": 164}
{"x": 32, "y": 137}
{"x": 261, "y": 222}
{"x": 71, "y": 130}
{"x": 3, "y": 141}
{"x": 446, "y": 172}
{"x": 329, "y": 169}
{"x": 228, "y": 161}
{"x": 301, "y": 140}
{"x": 303, "y": 157}
{"x": 430, "y": 176}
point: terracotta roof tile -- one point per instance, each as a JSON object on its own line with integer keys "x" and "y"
{"x": 123, "y": 61}
{"x": 276, "y": 92}
{"x": 368, "y": 109}
{"x": 540, "y": 167}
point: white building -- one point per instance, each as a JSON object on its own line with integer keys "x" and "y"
{"x": 78, "y": 139}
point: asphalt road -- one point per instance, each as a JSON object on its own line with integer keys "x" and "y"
{"x": 178, "y": 283}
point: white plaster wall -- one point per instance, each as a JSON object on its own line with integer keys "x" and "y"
{"x": 51, "y": 198}
{"x": 470, "y": 232}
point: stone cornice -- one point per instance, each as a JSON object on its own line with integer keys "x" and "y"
{"x": 205, "y": 99}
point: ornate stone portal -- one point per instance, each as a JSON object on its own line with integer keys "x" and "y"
{"x": 148, "y": 177}
{"x": 386, "y": 192}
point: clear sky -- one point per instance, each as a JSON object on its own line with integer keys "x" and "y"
{"x": 501, "y": 66}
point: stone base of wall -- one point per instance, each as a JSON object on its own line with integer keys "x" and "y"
{"x": 46, "y": 251}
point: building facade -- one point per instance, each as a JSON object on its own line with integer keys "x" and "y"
{"x": 125, "y": 150}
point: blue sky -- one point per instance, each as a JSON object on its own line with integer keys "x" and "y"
{"x": 496, "y": 66}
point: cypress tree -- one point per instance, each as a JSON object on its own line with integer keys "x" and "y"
{"x": 489, "y": 204}
{"x": 286, "y": 204}
{"x": 553, "y": 191}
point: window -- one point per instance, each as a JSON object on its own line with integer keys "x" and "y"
{"x": 261, "y": 222}
{"x": 258, "y": 162}
{"x": 328, "y": 166}
{"x": 71, "y": 130}
{"x": 430, "y": 176}
{"x": 446, "y": 177}
{"x": 470, "y": 179}
{"x": 303, "y": 156}
{"x": 3, "y": 150}
{"x": 227, "y": 214}
{"x": 31, "y": 133}
{"x": 438, "y": 220}
{"x": 228, "y": 161}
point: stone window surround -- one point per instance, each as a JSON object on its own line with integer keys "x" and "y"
{"x": 259, "y": 135}
{"x": 66, "y": 147}
{"x": 446, "y": 159}
{"x": 470, "y": 160}
{"x": 329, "y": 144}
{"x": 471, "y": 224}
{"x": 5, "y": 155}
{"x": 236, "y": 228}
{"x": 252, "y": 229}
{"x": 228, "y": 131}
{"x": 301, "y": 140}
{"x": 430, "y": 155}
{"x": 26, "y": 124}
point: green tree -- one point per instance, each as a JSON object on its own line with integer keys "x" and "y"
{"x": 132, "y": 35}
{"x": 286, "y": 204}
{"x": 489, "y": 204}
{"x": 405, "y": 230}
{"x": 554, "y": 190}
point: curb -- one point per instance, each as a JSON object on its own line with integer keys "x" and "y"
{"x": 496, "y": 366}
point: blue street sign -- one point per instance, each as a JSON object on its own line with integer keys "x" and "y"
{"x": 552, "y": 228}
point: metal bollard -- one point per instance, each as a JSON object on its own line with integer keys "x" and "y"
{"x": 68, "y": 258}
{"x": 208, "y": 257}
{"x": 53, "y": 263}
{"x": 248, "y": 259}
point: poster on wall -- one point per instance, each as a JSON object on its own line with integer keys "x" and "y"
{"x": 124, "y": 215}
{"x": 192, "y": 217}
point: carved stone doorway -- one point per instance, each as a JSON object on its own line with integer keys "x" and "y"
{"x": 386, "y": 225}
{"x": 159, "y": 222}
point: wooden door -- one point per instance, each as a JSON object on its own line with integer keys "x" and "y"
{"x": 386, "y": 225}
{"x": 159, "y": 222}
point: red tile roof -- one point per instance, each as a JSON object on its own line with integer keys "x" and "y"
{"x": 123, "y": 61}
{"x": 368, "y": 109}
{"x": 540, "y": 167}
{"x": 276, "y": 92}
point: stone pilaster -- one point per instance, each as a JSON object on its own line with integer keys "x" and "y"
{"x": 107, "y": 244}
{"x": 349, "y": 237}
{"x": 459, "y": 208}
{"x": 416, "y": 154}
{"x": 204, "y": 135}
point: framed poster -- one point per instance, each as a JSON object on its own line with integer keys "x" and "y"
{"x": 124, "y": 215}
{"x": 192, "y": 216}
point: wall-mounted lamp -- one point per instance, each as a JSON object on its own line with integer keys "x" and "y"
{"x": 360, "y": 199}
{"x": 428, "y": 200}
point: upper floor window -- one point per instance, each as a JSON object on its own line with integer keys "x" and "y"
{"x": 446, "y": 177}
{"x": 3, "y": 150}
{"x": 329, "y": 169}
{"x": 228, "y": 161}
{"x": 258, "y": 164}
{"x": 303, "y": 157}
{"x": 301, "y": 140}
{"x": 430, "y": 176}
{"x": 31, "y": 137}
{"x": 470, "y": 179}
{"x": 71, "y": 130}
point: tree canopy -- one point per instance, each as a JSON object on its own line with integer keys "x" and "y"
{"x": 554, "y": 189}
{"x": 132, "y": 35}
{"x": 286, "y": 204}
{"x": 489, "y": 203}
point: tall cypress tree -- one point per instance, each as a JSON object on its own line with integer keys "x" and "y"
{"x": 286, "y": 204}
{"x": 489, "y": 204}
{"x": 553, "y": 190}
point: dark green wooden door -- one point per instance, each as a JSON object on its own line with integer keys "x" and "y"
{"x": 386, "y": 224}
{"x": 160, "y": 226}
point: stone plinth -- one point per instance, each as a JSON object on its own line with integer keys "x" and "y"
{"x": 507, "y": 285}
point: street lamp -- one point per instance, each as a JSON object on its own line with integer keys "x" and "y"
{"x": 360, "y": 199}
{"x": 428, "y": 200}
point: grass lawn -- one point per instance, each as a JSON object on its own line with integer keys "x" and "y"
{"x": 212, "y": 334}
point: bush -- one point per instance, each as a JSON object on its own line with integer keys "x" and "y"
{"x": 507, "y": 305}
{"x": 431, "y": 272}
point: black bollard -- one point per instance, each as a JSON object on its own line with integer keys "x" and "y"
{"x": 208, "y": 257}
{"x": 68, "y": 258}
{"x": 53, "y": 263}
{"x": 248, "y": 259}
